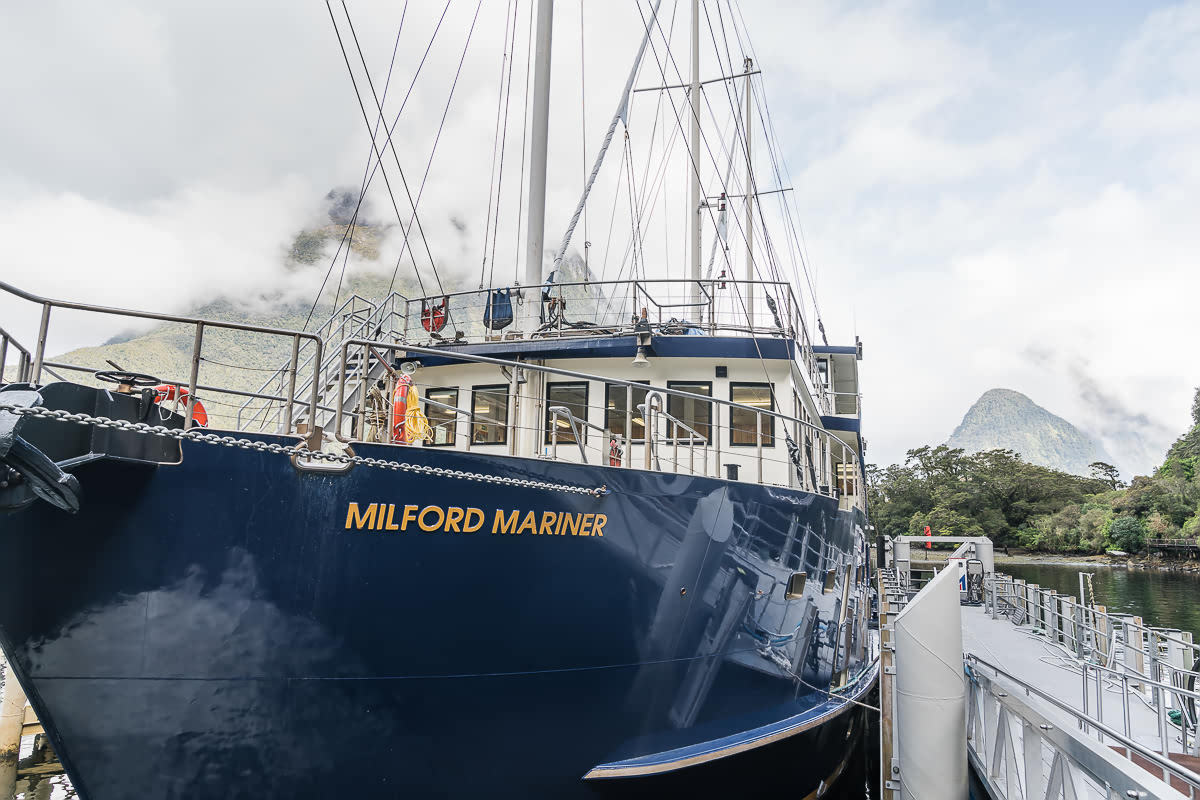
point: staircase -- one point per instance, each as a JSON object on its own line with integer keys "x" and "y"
{"x": 357, "y": 318}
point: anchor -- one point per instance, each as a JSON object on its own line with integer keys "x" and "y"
{"x": 26, "y": 473}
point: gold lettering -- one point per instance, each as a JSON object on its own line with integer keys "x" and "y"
{"x": 572, "y": 521}
{"x": 598, "y": 527}
{"x": 390, "y": 526}
{"x": 503, "y": 524}
{"x": 587, "y": 523}
{"x": 548, "y": 518}
{"x": 468, "y": 527}
{"x": 558, "y": 525}
{"x": 360, "y": 520}
{"x": 454, "y": 515}
{"x": 441, "y": 518}
{"x": 409, "y": 516}
{"x": 530, "y": 522}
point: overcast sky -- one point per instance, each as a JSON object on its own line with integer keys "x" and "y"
{"x": 991, "y": 194}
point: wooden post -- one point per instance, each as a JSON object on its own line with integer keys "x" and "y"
{"x": 887, "y": 664}
{"x": 12, "y": 720}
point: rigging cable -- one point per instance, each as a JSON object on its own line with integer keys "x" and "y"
{"x": 362, "y": 192}
{"x": 390, "y": 143}
{"x": 503, "y": 146}
{"x": 436, "y": 140}
{"x": 495, "y": 146}
{"x": 370, "y": 157}
{"x": 366, "y": 119}
{"x": 583, "y": 131}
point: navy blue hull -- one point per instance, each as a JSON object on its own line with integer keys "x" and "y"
{"x": 214, "y": 629}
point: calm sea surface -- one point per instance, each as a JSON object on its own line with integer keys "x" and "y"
{"x": 1162, "y": 599}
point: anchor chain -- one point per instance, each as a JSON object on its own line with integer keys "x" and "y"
{"x": 196, "y": 435}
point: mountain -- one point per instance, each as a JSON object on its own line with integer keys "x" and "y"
{"x": 1006, "y": 420}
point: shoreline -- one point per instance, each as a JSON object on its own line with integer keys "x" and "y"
{"x": 1146, "y": 562}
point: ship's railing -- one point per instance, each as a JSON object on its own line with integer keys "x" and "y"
{"x": 674, "y": 306}
{"x": 298, "y": 340}
{"x": 818, "y": 471}
{"x": 1020, "y": 746}
{"x": 24, "y": 358}
{"x": 682, "y": 304}
{"x": 846, "y": 404}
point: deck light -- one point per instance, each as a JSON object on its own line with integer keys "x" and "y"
{"x": 640, "y": 359}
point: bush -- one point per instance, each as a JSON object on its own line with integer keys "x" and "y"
{"x": 1127, "y": 533}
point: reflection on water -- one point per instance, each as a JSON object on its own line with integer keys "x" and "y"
{"x": 1162, "y": 599}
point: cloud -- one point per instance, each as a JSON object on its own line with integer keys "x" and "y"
{"x": 972, "y": 182}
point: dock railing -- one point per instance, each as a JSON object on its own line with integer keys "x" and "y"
{"x": 1157, "y": 665}
{"x": 1011, "y": 738}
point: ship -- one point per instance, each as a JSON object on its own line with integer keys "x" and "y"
{"x": 567, "y": 538}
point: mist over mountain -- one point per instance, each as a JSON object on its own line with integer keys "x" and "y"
{"x": 1003, "y": 419}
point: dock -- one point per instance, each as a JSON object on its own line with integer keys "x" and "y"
{"x": 1057, "y": 696}
{"x": 28, "y": 764}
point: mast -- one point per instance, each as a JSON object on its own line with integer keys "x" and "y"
{"x": 749, "y": 64}
{"x": 694, "y": 96}
{"x": 526, "y": 434}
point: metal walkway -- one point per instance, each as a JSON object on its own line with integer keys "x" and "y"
{"x": 1056, "y": 705}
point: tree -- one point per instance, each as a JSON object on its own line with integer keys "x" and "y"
{"x": 1127, "y": 534}
{"x": 1107, "y": 473}
{"x": 1196, "y": 407}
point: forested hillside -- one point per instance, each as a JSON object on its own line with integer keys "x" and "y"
{"x": 998, "y": 494}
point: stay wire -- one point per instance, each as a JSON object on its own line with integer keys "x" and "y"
{"x": 362, "y": 192}
{"x": 396, "y": 157}
{"x": 583, "y": 135}
{"x": 370, "y": 157}
{"x": 495, "y": 146}
{"x": 503, "y": 145}
{"x": 436, "y": 140}
{"x": 358, "y": 96}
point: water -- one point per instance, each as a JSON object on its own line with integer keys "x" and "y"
{"x": 1162, "y": 599}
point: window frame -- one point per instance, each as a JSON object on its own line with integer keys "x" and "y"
{"x": 609, "y": 388}
{"x": 587, "y": 389}
{"x": 770, "y": 434}
{"x": 682, "y": 386}
{"x": 507, "y": 402}
{"x": 453, "y": 429}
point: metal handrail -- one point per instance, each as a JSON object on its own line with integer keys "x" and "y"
{"x": 1162, "y": 762}
{"x": 197, "y": 343}
{"x": 693, "y": 434}
{"x": 849, "y": 456}
{"x": 555, "y": 413}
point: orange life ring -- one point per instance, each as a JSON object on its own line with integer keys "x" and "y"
{"x": 169, "y": 391}
{"x": 400, "y": 409}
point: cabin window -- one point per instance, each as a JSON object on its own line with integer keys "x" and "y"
{"x": 696, "y": 414}
{"x": 742, "y": 421}
{"x": 614, "y": 401}
{"x": 795, "y": 586}
{"x": 489, "y": 407}
{"x": 444, "y": 421}
{"x": 573, "y": 397}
